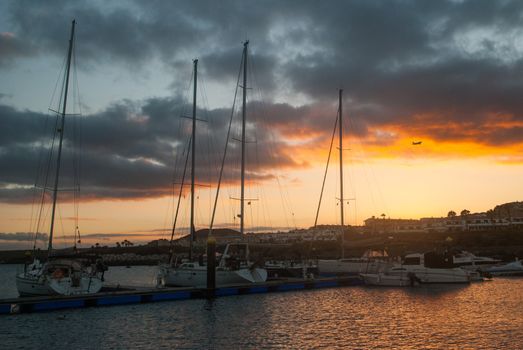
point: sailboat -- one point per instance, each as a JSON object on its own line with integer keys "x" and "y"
{"x": 235, "y": 266}
{"x": 371, "y": 261}
{"x": 60, "y": 274}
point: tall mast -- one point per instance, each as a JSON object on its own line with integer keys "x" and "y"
{"x": 193, "y": 153}
{"x": 61, "y": 131}
{"x": 244, "y": 107}
{"x": 341, "y": 173}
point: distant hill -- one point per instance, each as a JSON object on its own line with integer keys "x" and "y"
{"x": 220, "y": 233}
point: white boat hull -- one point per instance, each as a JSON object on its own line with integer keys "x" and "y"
{"x": 86, "y": 285}
{"x": 29, "y": 285}
{"x": 198, "y": 277}
{"x": 382, "y": 279}
{"x": 432, "y": 275}
{"x": 514, "y": 268}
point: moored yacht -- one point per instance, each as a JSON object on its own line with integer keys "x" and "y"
{"x": 234, "y": 268}
{"x": 425, "y": 268}
{"x": 469, "y": 261}
{"x": 59, "y": 275}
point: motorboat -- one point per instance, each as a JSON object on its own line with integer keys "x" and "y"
{"x": 514, "y": 268}
{"x": 427, "y": 268}
{"x": 469, "y": 261}
{"x": 431, "y": 268}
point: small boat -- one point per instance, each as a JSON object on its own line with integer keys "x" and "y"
{"x": 514, "y": 268}
{"x": 63, "y": 275}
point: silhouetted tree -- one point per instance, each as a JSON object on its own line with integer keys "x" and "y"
{"x": 464, "y": 213}
{"x": 451, "y": 214}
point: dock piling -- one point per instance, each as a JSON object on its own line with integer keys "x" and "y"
{"x": 211, "y": 265}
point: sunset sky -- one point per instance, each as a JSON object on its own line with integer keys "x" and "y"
{"x": 447, "y": 73}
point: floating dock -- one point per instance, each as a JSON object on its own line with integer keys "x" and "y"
{"x": 142, "y": 295}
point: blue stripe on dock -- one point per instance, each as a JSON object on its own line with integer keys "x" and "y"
{"x": 220, "y": 292}
{"x": 285, "y": 287}
{"x": 119, "y": 299}
{"x": 254, "y": 290}
{"x": 5, "y": 309}
{"x": 171, "y": 296}
{"x": 58, "y": 304}
{"x": 325, "y": 284}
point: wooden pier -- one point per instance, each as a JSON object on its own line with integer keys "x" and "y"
{"x": 141, "y": 295}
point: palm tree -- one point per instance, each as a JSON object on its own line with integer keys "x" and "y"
{"x": 464, "y": 213}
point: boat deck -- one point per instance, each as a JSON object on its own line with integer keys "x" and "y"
{"x": 120, "y": 295}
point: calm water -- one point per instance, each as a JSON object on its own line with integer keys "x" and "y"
{"x": 486, "y": 315}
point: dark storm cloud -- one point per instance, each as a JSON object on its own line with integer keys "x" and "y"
{"x": 129, "y": 150}
{"x": 458, "y": 60}
{"x": 444, "y": 69}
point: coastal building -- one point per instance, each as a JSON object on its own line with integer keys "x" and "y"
{"x": 502, "y": 216}
{"x": 318, "y": 233}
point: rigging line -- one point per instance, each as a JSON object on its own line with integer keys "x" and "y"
{"x": 226, "y": 146}
{"x": 270, "y": 151}
{"x": 284, "y": 194}
{"x": 171, "y": 251}
{"x": 40, "y": 161}
{"x": 208, "y": 143}
{"x": 326, "y": 168}
{"x": 178, "y": 135}
{"x": 213, "y": 161}
{"x": 47, "y": 173}
{"x": 370, "y": 170}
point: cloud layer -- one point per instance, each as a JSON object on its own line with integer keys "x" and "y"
{"x": 445, "y": 72}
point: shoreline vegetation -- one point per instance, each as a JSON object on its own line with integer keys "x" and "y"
{"x": 505, "y": 244}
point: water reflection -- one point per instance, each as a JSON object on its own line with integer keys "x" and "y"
{"x": 477, "y": 316}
